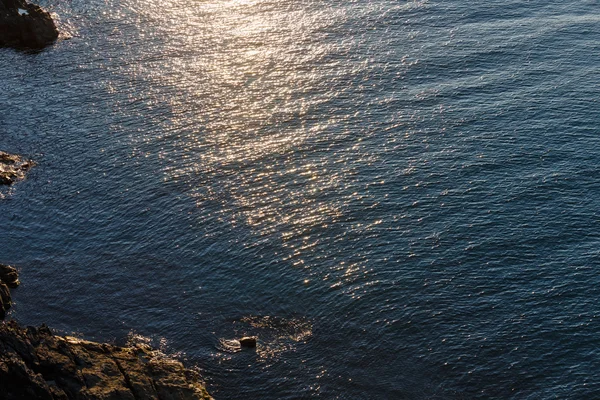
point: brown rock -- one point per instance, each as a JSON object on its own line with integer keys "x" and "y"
{"x": 12, "y": 167}
{"x": 35, "y": 364}
{"x": 5, "y": 298}
{"x": 9, "y": 276}
{"x": 248, "y": 341}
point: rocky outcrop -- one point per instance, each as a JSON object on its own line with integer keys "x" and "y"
{"x": 12, "y": 167}
{"x": 36, "y": 364}
{"x": 9, "y": 276}
{"x": 25, "y": 26}
{"x": 8, "y": 279}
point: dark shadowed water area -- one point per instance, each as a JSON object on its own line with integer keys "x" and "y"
{"x": 401, "y": 199}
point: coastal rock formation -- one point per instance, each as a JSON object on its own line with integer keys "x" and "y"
{"x": 5, "y": 300}
{"x": 35, "y": 364}
{"x": 9, "y": 278}
{"x": 12, "y": 167}
{"x": 24, "y": 25}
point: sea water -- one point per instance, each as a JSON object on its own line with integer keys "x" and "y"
{"x": 399, "y": 198}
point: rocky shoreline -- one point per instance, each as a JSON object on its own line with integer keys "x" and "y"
{"x": 34, "y": 362}
{"x": 37, "y": 364}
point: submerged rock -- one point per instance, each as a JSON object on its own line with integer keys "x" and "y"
{"x": 12, "y": 167}
{"x": 35, "y": 364}
{"x": 24, "y": 25}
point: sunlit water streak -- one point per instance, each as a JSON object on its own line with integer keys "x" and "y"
{"x": 398, "y": 198}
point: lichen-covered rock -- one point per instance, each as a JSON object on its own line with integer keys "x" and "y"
{"x": 35, "y": 364}
{"x": 12, "y": 167}
{"x": 25, "y": 26}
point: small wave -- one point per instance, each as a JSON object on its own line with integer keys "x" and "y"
{"x": 275, "y": 334}
{"x": 229, "y": 345}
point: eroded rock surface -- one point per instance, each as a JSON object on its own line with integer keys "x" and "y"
{"x": 36, "y": 364}
{"x": 25, "y": 26}
{"x": 9, "y": 278}
{"x": 12, "y": 167}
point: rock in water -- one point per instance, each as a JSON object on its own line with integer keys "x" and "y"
{"x": 12, "y": 167}
{"x": 25, "y": 26}
{"x": 5, "y": 300}
{"x": 9, "y": 276}
{"x": 248, "y": 341}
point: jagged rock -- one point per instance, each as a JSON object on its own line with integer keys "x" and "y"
{"x": 9, "y": 276}
{"x": 24, "y": 25}
{"x": 12, "y": 167}
{"x": 35, "y": 364}
{"x": 5, "y": 298}
{"x": 248, "y": 341}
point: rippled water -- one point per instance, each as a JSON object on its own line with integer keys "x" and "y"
{"x": 399, "y": 198}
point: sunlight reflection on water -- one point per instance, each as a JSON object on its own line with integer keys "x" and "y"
{"x": 250, "y": 135}
{"x": 412, "y": 183}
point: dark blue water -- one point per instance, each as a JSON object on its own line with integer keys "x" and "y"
{"x": 401, "y": 199}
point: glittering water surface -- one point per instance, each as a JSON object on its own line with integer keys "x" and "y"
{"x": 399, "y": 198}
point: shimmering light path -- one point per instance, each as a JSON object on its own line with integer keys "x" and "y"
{"x": 399, "y": 198}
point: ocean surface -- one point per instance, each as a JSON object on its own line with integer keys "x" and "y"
{"x": 400, "y": 198}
